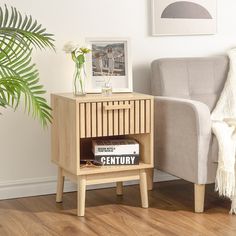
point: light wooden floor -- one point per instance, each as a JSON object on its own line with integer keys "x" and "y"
{"x": 170, "y": 213}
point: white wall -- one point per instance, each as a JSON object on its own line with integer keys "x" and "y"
{"x": 24, "y": 145}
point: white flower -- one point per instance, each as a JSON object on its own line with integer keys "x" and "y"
{"x": 87, "y": 46}
{"x": 69, "y": 47}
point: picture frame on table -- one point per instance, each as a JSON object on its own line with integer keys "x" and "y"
{"x": 109, "y": 62}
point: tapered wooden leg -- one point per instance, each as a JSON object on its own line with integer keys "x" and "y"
{"x": 143, "y": 188}
{"x": 119, "y": 188}
{"x": 199, "y": 195}
{"x": 150, "y": 174}
{"x": 81, "y": 192}
{"x": 60, "y": 185}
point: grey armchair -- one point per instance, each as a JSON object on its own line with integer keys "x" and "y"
{"x": 186, "y": 90}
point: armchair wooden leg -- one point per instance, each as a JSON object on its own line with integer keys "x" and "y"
{"x": 199, "y": 195}
{"x": 150, "y": 174}
{"x": 60, "y": 185}
{"x": 119, "y": 188}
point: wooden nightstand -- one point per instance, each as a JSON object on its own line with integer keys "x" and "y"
{"x": 78, "y": 120}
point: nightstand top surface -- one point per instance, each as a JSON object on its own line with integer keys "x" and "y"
{"x": 99, "y": 97}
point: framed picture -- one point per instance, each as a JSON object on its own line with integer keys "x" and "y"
{"x": 177, "y": 17}
{"x": 109, "y": 62}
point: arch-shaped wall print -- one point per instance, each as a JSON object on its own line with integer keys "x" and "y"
{"x": 184, "y": 17}
{"x": 186, "y": 10}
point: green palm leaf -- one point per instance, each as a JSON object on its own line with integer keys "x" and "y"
{"x": 24, "y": 29}
{"x": 18, "y": 75}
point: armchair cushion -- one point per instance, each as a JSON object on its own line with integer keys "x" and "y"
{"x": 200, "y": 79}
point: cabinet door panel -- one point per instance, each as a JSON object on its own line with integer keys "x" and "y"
{"x": 114, "y": 118}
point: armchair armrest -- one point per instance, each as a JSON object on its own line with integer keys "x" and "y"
{"x": 182, "y": 138}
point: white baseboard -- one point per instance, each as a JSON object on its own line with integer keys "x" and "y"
{"x": 47, "y": 185}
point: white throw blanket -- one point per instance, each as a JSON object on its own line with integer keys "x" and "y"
{"x": 224, "y": 127}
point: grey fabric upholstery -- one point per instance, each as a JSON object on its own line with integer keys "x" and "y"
{"x": 186, "y": 90}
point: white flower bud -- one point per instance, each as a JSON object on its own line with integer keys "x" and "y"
{"x": 69, "y": 47}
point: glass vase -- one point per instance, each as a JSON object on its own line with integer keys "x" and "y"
{"x": 79, "y": 80}
{"x": 107, "y": 89}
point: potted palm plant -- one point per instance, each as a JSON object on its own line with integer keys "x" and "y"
{"x": 19, "y": 77}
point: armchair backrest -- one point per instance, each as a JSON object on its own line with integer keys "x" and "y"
{"x": 200, "y": 79}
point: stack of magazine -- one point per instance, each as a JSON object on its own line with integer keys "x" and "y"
{"x": 116, "y": 151}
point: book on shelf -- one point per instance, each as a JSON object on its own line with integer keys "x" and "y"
{"x": 115, "y": 147}
{"x": 118, "y": 160}
{"x": 116, "y": 151}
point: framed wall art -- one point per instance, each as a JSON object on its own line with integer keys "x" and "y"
{"x": 190, "y": 17}
{"x": 109, "y": 61}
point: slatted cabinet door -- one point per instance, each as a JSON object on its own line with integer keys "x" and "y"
{"x": 114, "y": 118}
{"x": 99, "y": 119}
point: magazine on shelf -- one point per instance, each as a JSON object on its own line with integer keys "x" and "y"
{"x": 115, "y": 147}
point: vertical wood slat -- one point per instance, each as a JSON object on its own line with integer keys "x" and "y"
{"x": 137, "y": 120}
{"x": 131, "y": 118}
{"x": 99, "y": 119}
{"x": 121, "y": 120}
{"x": 104, "y": 120}
{"x": 94, "y": 119}
{"x": 142, "y": 116}
{"x": 116, "y": 120}
{"x": 110, "y": 120}
{"x": 148, "y": 116}
{"x": 126, "y": 121}
{"x": 88, "y": 120}
{"x": 82, "y": 120}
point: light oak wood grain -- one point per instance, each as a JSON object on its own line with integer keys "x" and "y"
{"x": 111, "y": 177}
{"x": 126, "y": 117}
{"x": 111, "y": 107}
{"x": 142, "y": 116}
{"x": 76, "y": 120}
{"x": 137, "y": 117}
{"x": 104, "y": 120}
{"x": 116, "y": 119}
{"x": 132, "y": 118}
{"x": 199, "y": 196}
{"x": 150, "y": 175}
{"x": 119, "y": 188}
{"x": 81, "y": 195}
{"x": 99, "y": 119}
{"x": 94, "y": 119}
{"x": 100, "y": 97}
{"x": 114, "y": 169}
{"x": 88, "y": 119}
{"x": 121, "y": 119}
{"x": 64, "y": 137}
{"x": 148, "y": 116}
{"x": 143, "y": 188}
{"x": 82, "y": 121}
{"x": 60, "y": 184}
{"x": 110, "y": 119}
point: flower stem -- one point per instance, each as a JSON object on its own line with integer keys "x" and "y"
{"x": 78, "y": 76}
